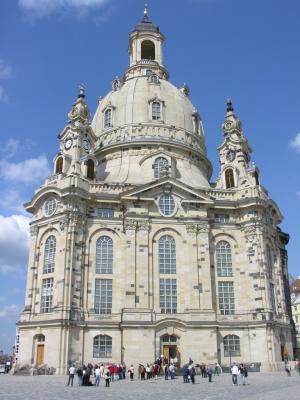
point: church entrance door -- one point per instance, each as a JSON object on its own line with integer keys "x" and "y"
{"x": 170, "y": 349}
{"x": 40, "y": 354}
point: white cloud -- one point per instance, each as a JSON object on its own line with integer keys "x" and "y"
{"x": 3, "y": 95}
{"x": 10, "y": 199}
{"x": 5, "y": 70}
{"x": 10, "y": 311}
{"x": 32, "y": 170}
{"x": 43, "y": 8}
{"x": 14, "y": 241}
{"x": 295, "y": 143}
{"x": 10, "y": 148}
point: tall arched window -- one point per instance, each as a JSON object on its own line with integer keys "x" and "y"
{"x": 167, "y": 255}
{"x": 59, "y": 165}
{"x": 90, "y": 169}
{"x": 156, "y": 110}
{"x": 147, "y": 50}
{"x": 49, "y": 255}
{"x": 102, "y": 346}
{"x": 256, "y": 177}
{"x": 107, "y": 118}
{"x": 229, "y": 178}
{"x": 224, "y": 260}
{"x": 160, "y": 165}
{"x": 104, "y": 255}
{"x": 232, "y": 346}
{"x": 269, "y": 261}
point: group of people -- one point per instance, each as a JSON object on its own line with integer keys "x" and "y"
{"x": 89, "y": 375}
{"x": 238, "y": 371}
{"x": 107, "y": 372}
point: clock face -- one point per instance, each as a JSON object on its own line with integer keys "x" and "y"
{"x": 230, "y": 156}
{"x": 86, "y": 144}
{"x": 68, "y": 143}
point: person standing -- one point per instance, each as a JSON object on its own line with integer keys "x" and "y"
{"x": 72, "y": 371}
{"x": 166, "y": 370}
{"x": 97, "y": 375}
{"x": 243, "y": 373}
{"x": 79, "y": 376}
{"x": 234, "y": 373}
{"x": 209, "y": 372}
{"x": 107, "y": 377}
{"x": 131, "y": 372}
{"x": 192, "y": 373}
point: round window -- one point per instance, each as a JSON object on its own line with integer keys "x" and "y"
{"x": 50, "y": 206}
{"x": 166, "y": 204}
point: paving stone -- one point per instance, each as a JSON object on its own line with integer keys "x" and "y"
{"x": 260, "y": 386}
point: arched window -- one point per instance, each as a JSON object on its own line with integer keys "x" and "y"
{"x": 59, "y": 165}
{"x": 147, "y": 50}
{"x": 156, "y": 110}
{"x": 269, "y": 261}
{"x": 167, "y": 255}
{"x": 229, "y": 178}
{"x": 160, "y": 166}
{"x": 231, "y": 346}
{"x": 90, "y": 169}
{"x": 49, "y": 255}
{"x": 224, "y": 260}
{"x": 107, "y": 118}
{"x": 256, "y": 177}
{"x": 102, "y": 346}
{"x": 104, "y": 255}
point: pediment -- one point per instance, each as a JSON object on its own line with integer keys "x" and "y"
{"x": 167, "y": 185}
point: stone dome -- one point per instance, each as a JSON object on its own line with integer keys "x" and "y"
{"x": 145, "y": 116}
{"x": 130, "y": 105}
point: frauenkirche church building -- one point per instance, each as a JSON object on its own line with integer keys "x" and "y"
{"x": 135, "y": 254}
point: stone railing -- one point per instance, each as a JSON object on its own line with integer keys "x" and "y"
{"x": 251, "y": 192}
{"x": 146, "y": 132}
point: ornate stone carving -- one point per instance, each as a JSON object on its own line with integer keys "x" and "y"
{"x": 130, "y": 225}
{"x": 153, "y": 78}
{"x": 117, "y": 84}
{"x": 197, "y": 228}
{"x": 63, "y": 222}
{"x": 143, "y": 226}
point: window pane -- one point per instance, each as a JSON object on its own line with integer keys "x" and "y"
{"x": 102, "y": 346}
{"x": 226, "y": 298}
{"x": 223, "y": 256}
{"x": 155, "y": 110}
{"x": 104, "y": 255}
{"x": 231, "y": 346}
{"x": 107, "y": 118}
{"x": 46, "y": 295}
{"x": 105, "y": 212}
{"x": 167, "y": 255}
{"x": 103, "y": 296}
{"x": 166, "y": 204}
{"x": 168, "y": 295}
{"x": 49, "y": 255}
{"x": 160, "y": 166}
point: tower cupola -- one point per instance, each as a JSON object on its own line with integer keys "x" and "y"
{"x": 146, "y": 49}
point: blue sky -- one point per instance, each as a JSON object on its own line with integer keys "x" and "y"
{"x": 244, "y": 49}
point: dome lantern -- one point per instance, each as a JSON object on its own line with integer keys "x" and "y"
{"x": 145, "y": 48}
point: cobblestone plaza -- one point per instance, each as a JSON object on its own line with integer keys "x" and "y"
{"x": 260, "y": 386}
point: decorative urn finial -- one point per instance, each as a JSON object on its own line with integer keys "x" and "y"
{"x": 81, "y": 91}
{"x": 229, "y": 105}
